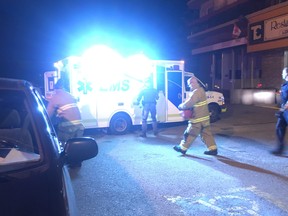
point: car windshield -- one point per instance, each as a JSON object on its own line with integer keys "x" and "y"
{"x": 18, "y": 146}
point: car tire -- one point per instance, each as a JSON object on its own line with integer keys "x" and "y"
{"x": 214, "y": 111}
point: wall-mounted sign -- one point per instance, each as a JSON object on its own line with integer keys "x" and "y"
{"x": 276, "y": 28}
{"x": 256, "y": 32}
{"x": 268, "y": 30}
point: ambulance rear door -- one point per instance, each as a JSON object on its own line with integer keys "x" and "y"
{"x": 170, "y": 82}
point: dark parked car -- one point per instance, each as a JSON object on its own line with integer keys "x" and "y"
{"x": 34, "y": 177}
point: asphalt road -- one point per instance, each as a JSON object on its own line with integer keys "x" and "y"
{"x": 138, "y": 176}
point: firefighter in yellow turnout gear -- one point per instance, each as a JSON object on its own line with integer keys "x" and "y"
{"x": 64, "y": 106}
{"x": 199, "y": 122}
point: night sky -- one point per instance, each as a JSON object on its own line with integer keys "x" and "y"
{"x": 36, "y": 33}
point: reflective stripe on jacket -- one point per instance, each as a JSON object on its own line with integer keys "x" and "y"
{"x": 65, "y": 105}
{"x": 198, "y": 101}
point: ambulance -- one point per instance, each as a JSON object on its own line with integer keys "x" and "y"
{"x": 107, "y": 90}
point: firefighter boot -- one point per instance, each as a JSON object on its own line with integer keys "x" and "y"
{"x": 211, "y": 152}
{"x": 155, "y": 129}
{"x": 179, "y": 149}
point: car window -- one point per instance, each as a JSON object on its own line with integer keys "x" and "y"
{"x": 43, "y": 103}
{"x": 18, "y": 145}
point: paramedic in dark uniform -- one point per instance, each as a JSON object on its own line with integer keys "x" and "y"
{"x": 282, "y": 121}
{"x": 199, "y": 122}
{"x": 149, "y": 97}
{"x": 64, "y": 106}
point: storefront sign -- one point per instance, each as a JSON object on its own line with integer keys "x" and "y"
{"x": 256, "y": 32}
{"x": 268, "y": 30}
{"x": 276, "y": 28}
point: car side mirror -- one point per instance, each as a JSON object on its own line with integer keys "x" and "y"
{"x": 80, "y": 149}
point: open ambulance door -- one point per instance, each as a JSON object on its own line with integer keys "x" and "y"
{"x": 170, "y": 82}
{"x": 186, "y": 88}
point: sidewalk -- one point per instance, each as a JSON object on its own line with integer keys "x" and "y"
{"x": 247, "y": 120}
{"x": 239, "y": 114}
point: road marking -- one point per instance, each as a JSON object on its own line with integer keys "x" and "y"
{"x": 216, "y": 208}
{"x": 214, "y": 204}
{"x": 264, "y": 195}
{"x": 269, "y": 198}
{"x": 234, "y": 202}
